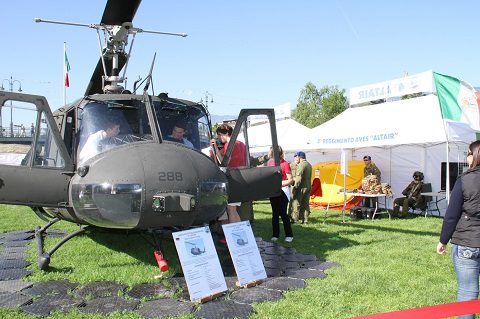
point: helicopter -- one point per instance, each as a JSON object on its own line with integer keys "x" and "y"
{"x": 138, "y": 179}
{"x": 240, "y": 241}
{"x": 195, "y": 251}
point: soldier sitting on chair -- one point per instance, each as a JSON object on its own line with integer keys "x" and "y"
{"x": 412, "y": 196}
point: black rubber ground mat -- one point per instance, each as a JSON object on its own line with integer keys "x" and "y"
{"x": 224, "y": 309}
{"x": 18, "y": 235}
{"x": 312, "y": 264}
{"x": 60, "y": 287}
{"x": 13, "y": 263}
{"x": 162, "y": 308}
{"x": 149, "y": 291}
{"x": 9, "y": 256}
{"x": 284, "y": 265}
{"x": 283, "y": 283}
{"x": 45, "y": 305}
{"x": 100, "y": 289}
{"x": 275, "y": 250}
{"x": 273, "y": 264}
{"x": 265, "y": 244}
{"x": 306, "y": 258}
{"x": 11, "y": 286}
{"x": 13, "y": 300}
{"x": 17, "y": 243}
{"x": 255, "y": 295}
{"x": 13, "y": 250}
{"x": 266, "y": 257}
{"x": 304, "y": 273}
{"x": 106, "y": 306}
{"x": 11, "y": 274}
{"x": 152, "y": 300}
{"x": 273, "y": 272}
{"x": 295, "y": 257}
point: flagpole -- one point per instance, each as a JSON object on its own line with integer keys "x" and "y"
{"x": 447, "y": 162}
{"x": 63, "y": 74}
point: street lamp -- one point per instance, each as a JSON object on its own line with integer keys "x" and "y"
{"x": 11, "y": 82}
{"x": 207, "y": 94}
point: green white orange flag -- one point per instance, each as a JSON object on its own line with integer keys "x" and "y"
{"x": 67, "y": 69}
{"x": 458, "y": 101}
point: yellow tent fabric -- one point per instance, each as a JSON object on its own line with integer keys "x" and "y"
{"x": 332, "y": 182}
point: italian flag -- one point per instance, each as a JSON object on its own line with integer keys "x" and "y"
{"x": 67, "y": 69}
{"x": 458, "y": 101}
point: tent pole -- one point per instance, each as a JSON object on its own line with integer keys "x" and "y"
{"x": 344, "y": 171}
{"x": 330, "y": 198}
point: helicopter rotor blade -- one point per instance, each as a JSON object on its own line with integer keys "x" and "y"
{"x": 119, "y": 11}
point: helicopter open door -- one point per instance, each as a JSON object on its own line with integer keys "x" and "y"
{"x": 35, "y": 167}
{"x": 256, "y": 180}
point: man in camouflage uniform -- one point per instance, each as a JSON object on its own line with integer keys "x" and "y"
{"x": 301, "y": 188}
{"x": 412, "y": 196}
{"x": 370, "y": 169}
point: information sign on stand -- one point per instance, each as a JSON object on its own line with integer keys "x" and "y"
{"x": 244, "y": 251}
{"x": 200, "y": 264}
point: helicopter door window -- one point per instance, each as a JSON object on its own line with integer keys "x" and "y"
{"x": 16, "y": 134}
{"x": 259, "y": 139}
{"x": 47, "y": 153}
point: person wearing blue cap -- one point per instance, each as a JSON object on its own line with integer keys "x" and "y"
{"x": 301, "y": 188}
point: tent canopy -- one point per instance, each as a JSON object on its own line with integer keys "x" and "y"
{"x": 402, "y": 122}
{"x": 290, "y": 134}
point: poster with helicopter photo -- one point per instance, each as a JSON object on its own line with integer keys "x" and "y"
{"x": 244, "y": 251}
{"x": 200, "y": 264}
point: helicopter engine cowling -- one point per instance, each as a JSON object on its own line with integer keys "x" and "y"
{"x": 148, "y": 185}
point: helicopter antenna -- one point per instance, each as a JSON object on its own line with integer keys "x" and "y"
{"x": 149, "y": 76}
{"x": 117, "y": 27}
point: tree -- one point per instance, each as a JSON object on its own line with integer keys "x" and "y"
{"x": 315, "y": 106}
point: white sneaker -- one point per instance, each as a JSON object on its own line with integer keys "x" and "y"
{"x": 288, "y": 239}
{"x": 274, "y": 239}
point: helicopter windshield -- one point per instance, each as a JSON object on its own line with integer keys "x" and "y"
{"x": 183, "y": 123}
{"x": 105, "y": 125}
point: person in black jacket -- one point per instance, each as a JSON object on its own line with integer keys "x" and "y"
{"x": 461, "y": 226}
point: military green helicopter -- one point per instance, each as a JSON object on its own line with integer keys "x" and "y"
{"x": 135, "y": 176}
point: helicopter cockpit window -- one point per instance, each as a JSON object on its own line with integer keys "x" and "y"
{"x": 105, "y": 125}
{"x": 184, "y": 124}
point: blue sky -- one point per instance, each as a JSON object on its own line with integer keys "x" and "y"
{"x": 246, "y": 53}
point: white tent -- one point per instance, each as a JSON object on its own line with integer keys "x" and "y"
{"x": 289, "y": 135}
{"x": 401, "y": 137}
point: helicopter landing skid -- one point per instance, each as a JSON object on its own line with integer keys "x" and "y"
{"x": 43, "y": 258}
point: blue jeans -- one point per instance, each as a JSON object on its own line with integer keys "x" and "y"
{"x": 466, "y": 261}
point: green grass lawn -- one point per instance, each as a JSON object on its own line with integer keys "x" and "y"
{"x": 386, "y": 265}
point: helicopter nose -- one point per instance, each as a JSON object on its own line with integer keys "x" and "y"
{"x": 149, "y": 186}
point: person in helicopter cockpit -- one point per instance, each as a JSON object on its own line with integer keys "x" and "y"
{"x": 90, "y": 148}
{"x": 178, "y": 132}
